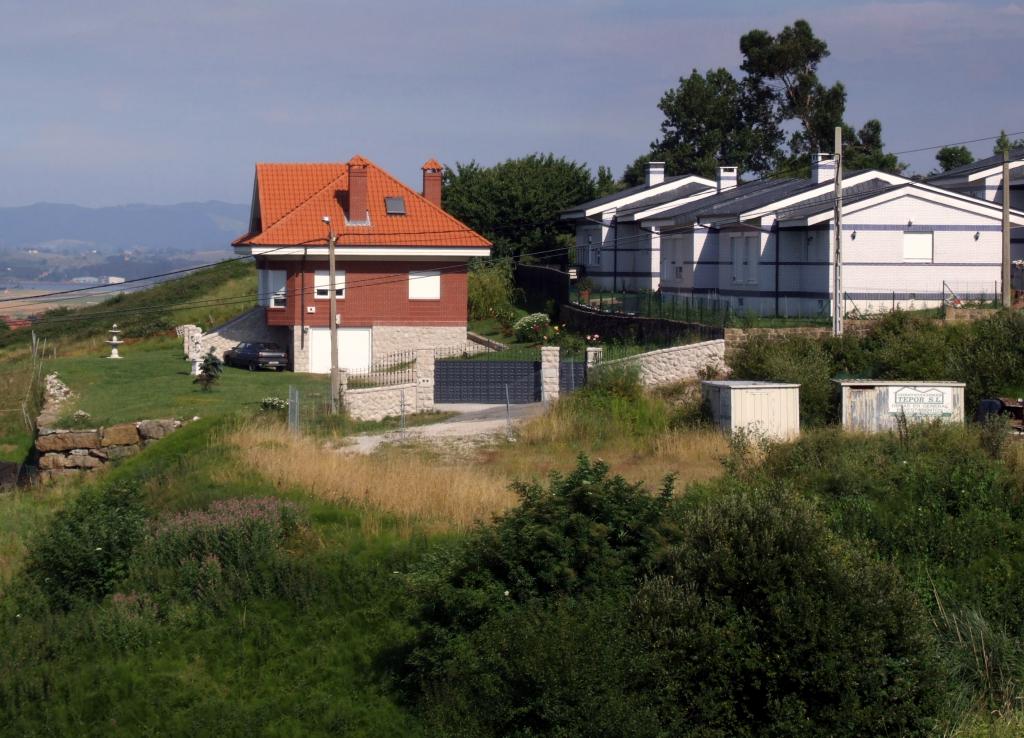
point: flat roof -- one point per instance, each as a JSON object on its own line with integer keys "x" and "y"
{"x": 740, "y": 383}
{"x": 898, "y": 383}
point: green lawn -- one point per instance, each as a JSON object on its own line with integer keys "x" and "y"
{"x": 153, "y": 381}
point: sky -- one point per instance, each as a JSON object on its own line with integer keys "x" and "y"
{"x": 106, "y": 103}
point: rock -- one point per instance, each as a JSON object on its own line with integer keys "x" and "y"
{"x": 124, "y": 434}
{"x": 81, "y": 462}
{"x": 151, "y": 430}
{"x": 67, "y": 440}
{"x": 97, "y": 454}
{"x": 51, "y": 461}
{"x": 79, "y": 452}
{"x": 120, "y": 452}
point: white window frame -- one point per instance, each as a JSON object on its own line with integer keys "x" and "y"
{"x": 425, "y": 284}
{"x": 274, "y": 288}
{"x": 918, "y": 247}
{"x": 738, "y": 250}
{"x": 322, "y": 284}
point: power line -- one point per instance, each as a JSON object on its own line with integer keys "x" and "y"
{"x": 358, "y": 284}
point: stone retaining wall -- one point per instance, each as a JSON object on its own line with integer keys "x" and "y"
{"x": 65, "y": 453}
{"x": 377, "y": 403}
{"x": 677, "y": 363}
{"x": 249, "y": 326}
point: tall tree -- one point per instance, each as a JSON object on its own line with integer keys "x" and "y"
{"x": 785, "y": 67}
{"x": 864, "y": 149}
{"x": 1003, "y": 143}
{"x": 516, "y": 204}
{"x": 951, "y": 157}
{"x": 711, "y": 120}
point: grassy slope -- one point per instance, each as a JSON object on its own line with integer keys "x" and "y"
{"x": 153, "y": 381}
{"x": 268, "y": 666}
{"x": 154, "y": 310}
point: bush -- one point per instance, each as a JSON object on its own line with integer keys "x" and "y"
{"x": 531, "y": 327}
{"x": 85, "y": 550}
{"x": 231, "y": 550}
{"x": 587, "y": 532}
{"x": 797, "y": 359}
{"x": 492, "y": 290}
{"x": 613, "y": 405}
{"x": 598, "y": 609}
{"x": 762, "y": 622}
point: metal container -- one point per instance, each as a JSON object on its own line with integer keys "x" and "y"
{"x": 872, "y": 405}
{"x": 765, "y": 409}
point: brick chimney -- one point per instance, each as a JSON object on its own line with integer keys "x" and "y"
{"x": 727, "y": 178}
{"x": 432, "y": 170}
{"x": 823, "y": 168}
{"x": 655, "y": 173}
{"x": 358, "y": 199}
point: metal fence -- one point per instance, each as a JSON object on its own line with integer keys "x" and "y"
{"x": 396, "y": 368}
{"x": 706, "y": 309}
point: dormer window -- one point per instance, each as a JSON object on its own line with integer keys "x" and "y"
{"x": 394, "y": 205}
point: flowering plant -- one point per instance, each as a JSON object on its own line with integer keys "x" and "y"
{"x": 532, "y": 327}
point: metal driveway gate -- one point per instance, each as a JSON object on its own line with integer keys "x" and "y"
{"x": 468, "y": 380}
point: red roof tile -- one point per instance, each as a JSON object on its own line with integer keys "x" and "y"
{"x": 293, "y": 198}
{"x": 432, "y": 164}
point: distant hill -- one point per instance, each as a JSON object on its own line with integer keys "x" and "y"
{"x": 189, "y": 226}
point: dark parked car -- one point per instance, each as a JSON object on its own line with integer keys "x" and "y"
{"x": 255, "y": 356}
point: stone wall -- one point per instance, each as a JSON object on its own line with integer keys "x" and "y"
{"x": 393, "y": 339}
{"x": 67, "y": 453}
{"x": 550, "y": 358}
{"x": 736, "y": 337}
{"x": 377, "y": 403}
{"x": 676, "y": 364}
{"x": 249, "y": 326}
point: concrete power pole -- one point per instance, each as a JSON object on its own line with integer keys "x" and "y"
{"x": 332, "y": 240}
{"x": 837, "y": 287}
{"x": 1006, "y": 275}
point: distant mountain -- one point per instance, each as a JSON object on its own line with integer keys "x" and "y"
{"x": 189, "y": 226}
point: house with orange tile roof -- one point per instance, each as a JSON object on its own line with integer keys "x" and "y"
{"x": 401, "y": 278}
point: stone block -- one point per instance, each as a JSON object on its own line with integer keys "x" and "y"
{"x": 98, "y": 454}
{"x": 81, "y": 462}
{"x": 67, "y": 440}
{"x": 121, "y": 452}
{"x": 124, "y": 434}
{"x": 51, "y": 461}
{"x": 152, "y": 430}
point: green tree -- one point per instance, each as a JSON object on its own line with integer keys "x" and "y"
{"x": 209, "y": 371}
{"x": 951, "y": 157}
{"x": 744, "y": 131}
{"x": 785, "y": 67}
{"x": 516, "y": 204}
{"x": 864, "y": 149}
{"x": 1004, "y": 143}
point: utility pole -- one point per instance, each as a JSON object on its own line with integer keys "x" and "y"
{"x": 837, "y": 287}
{"x": 332, "y": 240}
{"x": 1007, "y": 278}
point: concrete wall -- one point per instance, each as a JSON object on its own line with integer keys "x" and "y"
{"x": 249, "y": 326}
{"x": 676, "y": 364}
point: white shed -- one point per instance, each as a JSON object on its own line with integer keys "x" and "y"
{"x": 873, "y": 405}
{"x": 764, "y": 408}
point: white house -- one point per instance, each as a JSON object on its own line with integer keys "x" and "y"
{"x": 612, "y": 249}
{"x": 767, "y": 246}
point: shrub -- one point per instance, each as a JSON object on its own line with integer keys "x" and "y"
{"x": 598, "y": 609}
{"x": 233, "y": 549}
{"x": 586, "y": 533}
{"x": 762, "y": 622}
{"x": 273, "y": 404}
{"x": 797, "y": 359}
{"x": 531, "y": 327}
{"x": 209, "y": 371}
{"x": 492, "y": 290}
{"x": 84, "y": 551}
{"x": 613, "y": 404}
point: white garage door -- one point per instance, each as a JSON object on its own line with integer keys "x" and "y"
{"x": 354, "y": 349}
